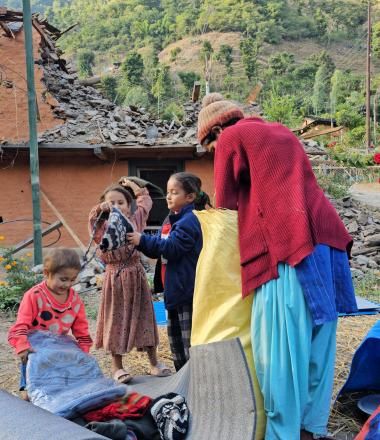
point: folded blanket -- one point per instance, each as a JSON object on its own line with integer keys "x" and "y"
{"x": 64, "y": 380}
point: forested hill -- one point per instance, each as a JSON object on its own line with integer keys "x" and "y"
{"x": 126, "y": 24}
{"x": 307, "y": 56}
{"x": 40, "y": 6}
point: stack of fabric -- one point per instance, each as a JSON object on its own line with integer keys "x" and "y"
{"x": 141, "y": 418}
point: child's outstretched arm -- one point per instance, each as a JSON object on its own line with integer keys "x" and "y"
{"x": 182, "y": 239}
{"x": 95, "y": 222}
{"x": 17, "y": 335}
{"x": 80, "y": 330}
{"x": 144, "y": 204}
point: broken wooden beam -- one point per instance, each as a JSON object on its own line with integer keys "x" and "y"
{"x": 23, "y": 244}
{"x": 43, "y": 34}
{"x": 74, "y": 236}
{"x": 7, "y": 30}
{"x": 68, "y": 29}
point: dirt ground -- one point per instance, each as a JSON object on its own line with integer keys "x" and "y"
{"x": 351, "y": 331}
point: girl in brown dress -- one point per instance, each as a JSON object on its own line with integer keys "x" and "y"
{"x": 126, "y": 318}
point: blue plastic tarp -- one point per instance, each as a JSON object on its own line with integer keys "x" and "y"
{"x": 64, "y": 380}
{"x": 365, "y": 367}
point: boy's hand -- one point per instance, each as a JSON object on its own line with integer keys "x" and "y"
{"x": 134, "y": 238}
{"x": 23, "y": 355}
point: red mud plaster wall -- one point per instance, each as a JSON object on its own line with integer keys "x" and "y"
{"x": 14, "y": 101}
{"x": 73, "y": 184}
{"x": 204, "y": 168}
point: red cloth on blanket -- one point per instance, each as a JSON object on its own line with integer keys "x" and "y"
{"x": 133, "y": 406}
{"x": 370, "y": 430}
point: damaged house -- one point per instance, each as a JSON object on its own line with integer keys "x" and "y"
{"x": 86, "y": 142}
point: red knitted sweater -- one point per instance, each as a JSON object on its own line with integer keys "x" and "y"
{"x": 262, "y": 170}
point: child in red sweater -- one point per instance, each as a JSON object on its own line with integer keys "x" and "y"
{"x": 51, "y": 305}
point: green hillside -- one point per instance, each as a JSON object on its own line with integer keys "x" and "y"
{"x": 305, "y": 56}
{"x": 41, "y": 6}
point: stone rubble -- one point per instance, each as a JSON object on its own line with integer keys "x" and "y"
{"x": 363, "y": 223}
{"x": 92, "y": 119}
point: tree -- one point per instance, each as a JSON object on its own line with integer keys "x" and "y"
{"x": 280, "y": 108}
{"x": 205, "y": 55}
{"x": 162, "y": 86}
{"x": 136, "y": 96}
{"x": 348, "y": 116}
{"x": 321, "y": 90}
{"x": 86, "y": 61}
{"x": 133, "y": 68}
{"x": 109, "y": 87}
{"x": 225, "y": 56}
{"x": 323, "y": 58}
{"x": 188, "y": 79}
{"x": 249, "y": 51}
{"x": 281, "y": 63}
{"x": 376, "y": 40}
{"x": 340, "y": 88}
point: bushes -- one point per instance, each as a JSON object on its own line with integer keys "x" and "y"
{"x": 17, "y": 279}
{"x": 172, "y": 111}
{"x": 136, "y": 96}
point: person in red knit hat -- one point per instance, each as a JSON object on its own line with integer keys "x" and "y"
{"x": 294, "y": 258}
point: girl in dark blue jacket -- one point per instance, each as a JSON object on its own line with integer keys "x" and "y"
{"x": 181, "y": 249}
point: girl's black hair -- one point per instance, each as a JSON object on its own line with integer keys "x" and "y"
{"x": 202, "y": 201}
{"x": 190, "y": 183}
{"x": 120, "y": 189}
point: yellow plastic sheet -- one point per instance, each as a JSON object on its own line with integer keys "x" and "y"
{"x": 219, "y": 312}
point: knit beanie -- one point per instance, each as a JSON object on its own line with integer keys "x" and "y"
{"x": 216, "y": 111}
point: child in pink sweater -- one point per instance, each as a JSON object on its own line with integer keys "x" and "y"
{"x": 51, "y": 305}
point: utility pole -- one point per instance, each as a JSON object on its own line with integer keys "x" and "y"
{"x": 368, "y": 82}
{"x": 33, "y": 143}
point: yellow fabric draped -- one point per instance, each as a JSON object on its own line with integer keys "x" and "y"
{"x": 219, "y": 312}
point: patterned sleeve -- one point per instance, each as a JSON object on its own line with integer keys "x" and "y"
{"x": 100, "y": 225}
{"x": 80, "y": 328}
{"x": 144, "y": 205}
{"x": 18, "y": 333}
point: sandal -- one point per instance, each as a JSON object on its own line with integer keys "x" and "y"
{"x": 160, "y": 370}
{"x": 122, "y": 376}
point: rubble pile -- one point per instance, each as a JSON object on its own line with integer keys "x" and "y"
{"x": 363, "y": 223}
{"x": 91, "y": 118}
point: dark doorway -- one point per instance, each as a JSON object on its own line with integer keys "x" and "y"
{"x": 158, "y": 173}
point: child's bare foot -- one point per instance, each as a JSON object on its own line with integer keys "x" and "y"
{"x": 160, "y": 370}
{"x": 24, "y": 396}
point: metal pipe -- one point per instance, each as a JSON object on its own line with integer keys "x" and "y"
{"x": 33, "y": 143}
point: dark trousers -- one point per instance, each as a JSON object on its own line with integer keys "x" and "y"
{"x": 179, "y": 333}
